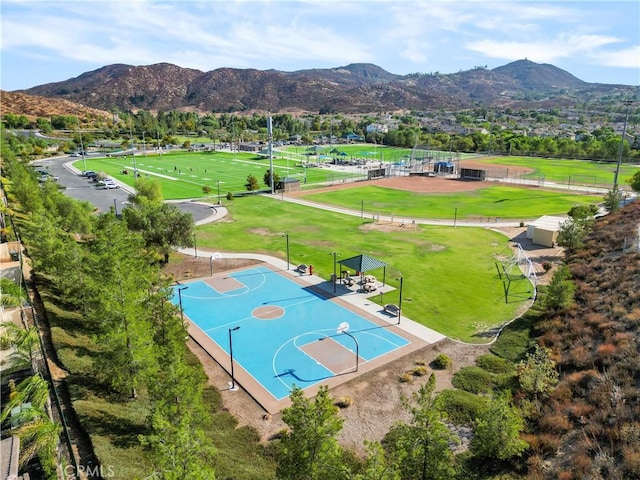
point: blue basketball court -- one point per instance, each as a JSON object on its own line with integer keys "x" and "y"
{"x": 288, "y": 332}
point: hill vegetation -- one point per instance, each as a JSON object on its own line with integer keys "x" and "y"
{"x": 356, "y": 88}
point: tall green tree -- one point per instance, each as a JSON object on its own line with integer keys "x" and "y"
{"x": 613, "y": 199}
{"x": 267, "y": 178}
{"x": 178, "y": 441}
{"x": 378, "y": 465}
{"x": 148, "y": 190}
{"x": 559, "y": 293}
{"x": 126, "y": 277}
{"x": 309, "y": 450}
{"x": 634, "y": 181}
{"x": 162, "y": 226}
{"x": 537, "y": 374}
{"x": 252, "y": 183}
{"x": 497, "y": 430}
{"x": 421, "y": 448}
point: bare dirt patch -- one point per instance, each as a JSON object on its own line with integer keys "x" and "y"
{"x": 416, "y": 183}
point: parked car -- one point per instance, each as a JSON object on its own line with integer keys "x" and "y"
{"x": 109, "y": 184}
{"x": 89, "y": 174}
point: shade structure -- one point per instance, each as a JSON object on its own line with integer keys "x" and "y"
{"x": 315, "y": 149}
{"x": 364, "y": 263}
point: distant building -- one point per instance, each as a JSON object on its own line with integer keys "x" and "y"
{"x": 377, "y": 128}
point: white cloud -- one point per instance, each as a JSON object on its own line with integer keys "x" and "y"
{"x": 625, "y": 58}
{"x": 562, "y": 46}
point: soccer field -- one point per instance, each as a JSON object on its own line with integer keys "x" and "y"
{"x": 184, "y": 174}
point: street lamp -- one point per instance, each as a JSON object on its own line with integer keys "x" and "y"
{"x": 334, "y": 271}
{"x": 344, "y": 328}
{"x": 628, "y": 103}
{"x": 180, "y": 289}
{"x": 288, "y": 262}
{"x": 232, "y": 385}
{"x": 144, "y": 144}
{"x": 218, "y": 192}
{"x": 400, "y": 302}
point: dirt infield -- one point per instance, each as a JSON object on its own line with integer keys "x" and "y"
{"x": 416, "y": 183}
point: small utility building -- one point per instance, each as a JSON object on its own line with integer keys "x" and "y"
{"x": 544, "y": 231}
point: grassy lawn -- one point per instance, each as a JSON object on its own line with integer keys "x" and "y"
{"x": 183, "y": 174}
{"x": 450, "y": 281}
{"x": 496, "y": 201}
{"x": 567, "y": 171}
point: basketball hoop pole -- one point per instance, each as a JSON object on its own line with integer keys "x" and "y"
{"x": 344, "y": 328}
{"x": 232, "y": 387}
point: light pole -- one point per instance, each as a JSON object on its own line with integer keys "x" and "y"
{"x": 218, "y": 192}
{"x": 133, "y": 155}
{"x": 334, "y": 271}
{"x": 344, "y": 328}
{"x": 400, "y": 302}
{"x": 195, "y": 246}
{"x": 232, "y": 387}
{"x": 628, "y": 103}
{"x": 144, "y": 144}
{"x": 288, "y": 262}
{"x": 180, "y": 289}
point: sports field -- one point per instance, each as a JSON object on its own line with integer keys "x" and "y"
{"x": 491, "y": 202}
{"x": 183, "y": 174}
{"x": 563, "y": 171}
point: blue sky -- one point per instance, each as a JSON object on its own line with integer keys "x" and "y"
{"x": 51, "y": 41}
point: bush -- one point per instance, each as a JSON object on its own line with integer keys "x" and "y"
{"x": 442, "y": 362}
{"x": 406, "y": 377}
{"x": 229, "y": 196}
{"x": 343, "y": 402}
{"x": 546, "y": 266}
{"x": 494, "y": 364}
{"x": 462, "y": 408}
{"x": 419, "y": 371}
{"x": 473, "y": 379}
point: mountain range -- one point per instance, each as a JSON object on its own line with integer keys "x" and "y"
{"x": 355, "y": 88}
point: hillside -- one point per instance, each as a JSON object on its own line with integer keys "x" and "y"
{"x": 33, "y": 106}
{"x": 590, "y": 426}
{"x": 355, "y": 88}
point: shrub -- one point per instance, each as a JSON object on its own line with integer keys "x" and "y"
{"x": 343, "y": 402}
{"x": 442, "y": 362}
{"x": 229, "y": 196}
{"x": 473, "y": 379}
{"x": 406, "y": 377}
{"x": 419, "y": 371}
{"x": 494, "y": 364}
{"x": 462, "y": 408}
{"x": 546, "y": 266}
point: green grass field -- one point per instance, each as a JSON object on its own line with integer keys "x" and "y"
{"x": 496, "y": 201}
{"x": 450, "y": 280}
{"x": 570, "y": 172}
{"x": 183, "y": 174}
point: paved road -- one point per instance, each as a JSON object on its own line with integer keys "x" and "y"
{"x": 81, "y": 188}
